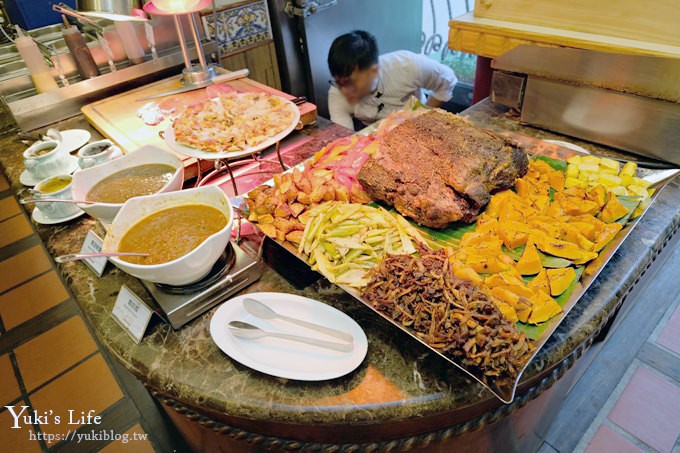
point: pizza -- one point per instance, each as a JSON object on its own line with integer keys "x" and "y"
{"x": 232, "y": 122}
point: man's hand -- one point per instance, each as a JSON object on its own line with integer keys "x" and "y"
{"x": 433, "y": 102}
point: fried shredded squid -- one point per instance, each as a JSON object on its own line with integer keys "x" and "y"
{"x": 451, "y": 315}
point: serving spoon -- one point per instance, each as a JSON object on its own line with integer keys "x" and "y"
{"x": 248, "y": 331}
{"x": 82, "y": 256}
{"x": 262, "y": 311}
{"x": 57, "y": 200}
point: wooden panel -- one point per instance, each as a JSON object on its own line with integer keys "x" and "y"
{"x": 657, "y": 21}
{"x": 260, "y": 60}
{"x": 491, "y": 38}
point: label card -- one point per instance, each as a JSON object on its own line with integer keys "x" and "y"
{"x": 93, "y": 244}
{"x": 131, "y": 313}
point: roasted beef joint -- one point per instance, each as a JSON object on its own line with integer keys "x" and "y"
{"x": 437, "y": 168}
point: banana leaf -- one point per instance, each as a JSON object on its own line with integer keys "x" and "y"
{"x": 630, "y": 203}
{"x": 549, "y": 261}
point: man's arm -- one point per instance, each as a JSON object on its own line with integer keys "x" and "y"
{"x": 436, "y": 77}
{"x": 339, "y": 109}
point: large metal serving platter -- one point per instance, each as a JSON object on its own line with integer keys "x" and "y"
{"x": 505, "y": 389}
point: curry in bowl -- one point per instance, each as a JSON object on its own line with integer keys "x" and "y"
{"x": 171, "y": 233}
{"x": 131, "y": 182}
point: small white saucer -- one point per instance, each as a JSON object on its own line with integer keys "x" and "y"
{"x": 39, "y": 217}
{"x": 74, "y": 139}
{"x": 27, "y": 179}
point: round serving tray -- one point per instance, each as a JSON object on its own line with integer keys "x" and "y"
{"x": 169, "y": 136}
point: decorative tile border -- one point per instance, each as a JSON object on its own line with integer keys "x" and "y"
{"x": 239, "y": 28}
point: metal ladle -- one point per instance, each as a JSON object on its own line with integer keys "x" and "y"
{"x": 82, "y": 256}
{"x": 55, "y": 200}
{"x": 245, "y": 330}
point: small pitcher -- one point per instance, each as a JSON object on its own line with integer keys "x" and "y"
{"x": 55, "y": 187}
{"x": 97, "y": 153}
{"x": 45, "y": 159}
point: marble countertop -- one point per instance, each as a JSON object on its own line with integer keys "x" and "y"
{"x": 400, "y": 380}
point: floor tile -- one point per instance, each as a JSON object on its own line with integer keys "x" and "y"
{"x": 9, "y": 387}
{"x": 16, "y": 440}
{"x": 133, "y": 444}
{"x": 49, "y": 354}
{"x": 89, "y": 386}
{"x": 670, "y": 335}
{"x": 9, "y": 208}
{"x": 21, "y": 267}
{"x": 4, "y": 185}
{"x": 649, "y": 409}
{"x": 607, "y": 440}
{"x": 30, "y": 299}
{"x": 13, "y": 229}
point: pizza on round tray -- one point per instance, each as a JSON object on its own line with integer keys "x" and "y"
{"x": 233, "y": 121}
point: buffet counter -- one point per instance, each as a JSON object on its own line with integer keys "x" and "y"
{"x": 401, "y": 397}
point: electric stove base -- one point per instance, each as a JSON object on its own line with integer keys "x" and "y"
{"x": 178, "y": 305}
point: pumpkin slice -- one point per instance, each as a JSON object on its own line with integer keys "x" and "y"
{"x": 523, "y": 309}
{"x": 505, "y": 295}
{"x": 573, "y": 235}
{"x": 576, "y": 206}
{"x": 520, "y": 290}
{"x": 469, "y": 274}
{"x": 588, "y": 230}
{"x": 556, "y": 180}
{"x": 486, "y": 223}
{"x": 497, "y": 200}
{"x": 540, "y": 282}
{"x": 511, "y": 238}
{"x": 560, "y": 279}
{"x": 556, "y": 247}
{"x": 587, "y": 256}
{"x": 530, "y": 262}
{"x": 507, "y": 311}
{"x": 606, "y": 235}
{"x": 598, "y": 194}
{"x": 544, "y": 309}
{"x": 523, "y": 187}
{"x": 613, "y": 210}
{"x": 487, "y": 265}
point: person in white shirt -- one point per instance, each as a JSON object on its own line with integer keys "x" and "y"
{"x": 368, "y": 87}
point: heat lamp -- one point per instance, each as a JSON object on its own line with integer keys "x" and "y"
{"x": 130, "y": 10}
{"x": 191, "y": 75}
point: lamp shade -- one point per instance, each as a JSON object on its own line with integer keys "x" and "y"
{"x": 176, "y": 6}
{"x": 118, "y": 10}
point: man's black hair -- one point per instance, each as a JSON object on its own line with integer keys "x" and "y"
{"x": 354, "y": 50}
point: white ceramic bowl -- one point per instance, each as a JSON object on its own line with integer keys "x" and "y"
{"x": 84, "y": 180}
{"x": 188, "y": 268}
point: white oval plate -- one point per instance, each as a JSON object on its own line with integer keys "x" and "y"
{"x": 289, "y": 359}
{"x": 74, "y": 139}
{"x": 169, "y": 136}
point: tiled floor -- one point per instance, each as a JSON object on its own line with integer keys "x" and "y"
{"x": 628, "y": 400}
{"x": 49, "y": 360}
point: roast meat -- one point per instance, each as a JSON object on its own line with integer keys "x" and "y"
{"x": 438, "y": 168}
